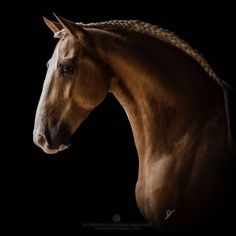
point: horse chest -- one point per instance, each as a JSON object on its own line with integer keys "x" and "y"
{"x": 156, "y": 189}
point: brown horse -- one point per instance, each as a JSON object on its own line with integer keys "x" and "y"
{"x": 176, "y": 104}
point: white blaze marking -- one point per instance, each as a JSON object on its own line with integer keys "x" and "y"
{"x": 40, "y": 116}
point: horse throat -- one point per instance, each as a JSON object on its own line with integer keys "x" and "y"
{"x": 148, "y": 117}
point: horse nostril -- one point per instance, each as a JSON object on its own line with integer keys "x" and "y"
{"x": 41, "y": 140}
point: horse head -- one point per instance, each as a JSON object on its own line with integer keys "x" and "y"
{"x": 76, "y": 82}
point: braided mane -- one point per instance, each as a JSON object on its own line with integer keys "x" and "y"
{"x": 162, "y": 34}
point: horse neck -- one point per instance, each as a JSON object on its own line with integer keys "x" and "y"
{"x": 167, "y": 96}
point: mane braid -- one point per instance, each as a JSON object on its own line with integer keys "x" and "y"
{"x": 162, "y": 34}
{"x": 173, "y": 39}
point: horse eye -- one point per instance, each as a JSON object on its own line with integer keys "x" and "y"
{"x": 67, "y": 70}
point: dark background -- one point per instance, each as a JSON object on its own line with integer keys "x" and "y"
{"x": 95, "y": 178}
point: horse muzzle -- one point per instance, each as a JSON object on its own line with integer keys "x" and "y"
{"x": 42, "y": 142}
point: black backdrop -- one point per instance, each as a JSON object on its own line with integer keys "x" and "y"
{"x": 94, "y": 179}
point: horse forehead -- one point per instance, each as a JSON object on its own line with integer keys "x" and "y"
{"x": 53, "y": 60}
{"x": 67, "y": 47}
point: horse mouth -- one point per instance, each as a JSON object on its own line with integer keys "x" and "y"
{"x": 47, "y": 150}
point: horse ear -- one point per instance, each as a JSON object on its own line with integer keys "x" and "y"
{"x": 52, "y": 25}
{"x": 73, "y": 29}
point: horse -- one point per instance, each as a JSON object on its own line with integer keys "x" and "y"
{"x": 176, "y": 104}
